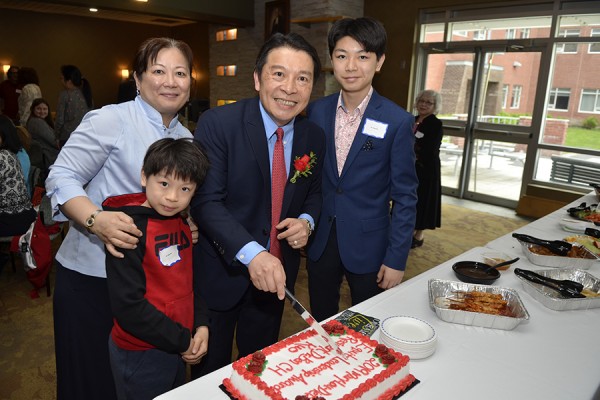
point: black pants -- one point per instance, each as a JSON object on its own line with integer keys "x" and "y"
{"x": 82, "y": 324}
{"x": 255, "y": 321}
{"x": 325, "y": 279}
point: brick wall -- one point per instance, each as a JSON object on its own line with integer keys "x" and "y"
{"x": 243, "y": 51}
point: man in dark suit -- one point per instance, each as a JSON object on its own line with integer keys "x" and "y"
{"x": 242, "y": 282}
{"x": 369, "y": 163}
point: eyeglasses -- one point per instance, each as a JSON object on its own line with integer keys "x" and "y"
{"x": 427, "y": 103}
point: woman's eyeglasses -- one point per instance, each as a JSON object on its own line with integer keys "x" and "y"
{"x": 427, "y": 103}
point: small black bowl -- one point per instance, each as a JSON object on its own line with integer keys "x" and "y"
{"x": 475, "y": 272}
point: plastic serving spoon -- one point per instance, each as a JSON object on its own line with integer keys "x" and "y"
{"x": 502, "y": 264}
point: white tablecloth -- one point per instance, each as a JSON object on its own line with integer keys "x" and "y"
{"x": 553, "y": 355}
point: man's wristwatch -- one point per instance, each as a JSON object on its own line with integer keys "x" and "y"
{"x": 89, "y": 222}
{"x": 308, "y": 225}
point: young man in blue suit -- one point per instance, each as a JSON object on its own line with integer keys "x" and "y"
{"x": 242, "y": 282}
{"x": 369, "y": 163}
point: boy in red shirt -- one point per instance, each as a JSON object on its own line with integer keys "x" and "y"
{"x": 159, "y": 324}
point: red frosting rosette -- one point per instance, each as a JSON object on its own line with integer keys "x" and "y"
{"x": 257, "y": 363}
{"x": 334, "y": 328}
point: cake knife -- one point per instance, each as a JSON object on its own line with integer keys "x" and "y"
{"x": 300, "y": 309}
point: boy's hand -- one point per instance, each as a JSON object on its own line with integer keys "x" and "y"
{"x": 198, "y": 346}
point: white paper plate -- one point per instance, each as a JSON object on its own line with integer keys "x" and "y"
{"x": 407, "y": 329}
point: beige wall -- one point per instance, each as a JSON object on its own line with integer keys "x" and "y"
{"x": 98, "y": 47}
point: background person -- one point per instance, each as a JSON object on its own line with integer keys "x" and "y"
{"x": 370, "y": 162}
{"x": 9, "y": 94}
{"x": 428, "y": 138}
{"x": 30, "y": 83}
{"x": 103, "y": 158}
{"x": 16, "y": 211}
{"x": 159, "y": 323}
{"x": 234, "y": 207}
{"x": 41, "y": 129}
{"x": 74, "y": 101}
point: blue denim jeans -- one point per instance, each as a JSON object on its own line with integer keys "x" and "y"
{"x": 144, "y": 374}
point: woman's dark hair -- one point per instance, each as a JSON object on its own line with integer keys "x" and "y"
{"x": 37, "y": 102}
{"x": 9, "y": 136}
{"x": 149, "y": 50}
{"x": 73, "y": 74}
{"x": 367, "y": 31}
{"x": 27, "y": 75}
{"x": 181, "y": 157}
{"x": 293, "y": 41}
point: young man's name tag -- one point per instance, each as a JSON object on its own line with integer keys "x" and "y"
{"x": 375, "y": 128}
{"x": 169, "y": 255}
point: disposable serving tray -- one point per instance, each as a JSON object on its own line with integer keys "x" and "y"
{"x": 439, "y": 290}
{"x": 553, "y": 300}
{"x": 558, "y": 261}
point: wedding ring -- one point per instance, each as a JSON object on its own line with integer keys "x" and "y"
{"x": 295, "y": 243}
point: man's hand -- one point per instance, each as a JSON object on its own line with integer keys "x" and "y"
{"x": 267, "y": 274}
{"x": 295, "y": 231}
{"x": 388, "y": 278}
{"x": 116, "y": 229}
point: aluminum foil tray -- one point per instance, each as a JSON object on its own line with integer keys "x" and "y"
{"x": 558, "y": 261}
{"x": 441, "y": 289}
{"x": 553, "y": 300}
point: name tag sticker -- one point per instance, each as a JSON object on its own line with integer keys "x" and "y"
{"x": 419, "y": 134}
{"x": 375, "y": 128}
{"x": 169, "y": 255}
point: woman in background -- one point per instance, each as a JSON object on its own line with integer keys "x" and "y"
{"x": 73, "y": 102}
{"x": 16, "y": 211}
{"x": 103, "y": 158}
{"x": 428, "y": 138}
{"x": 41, "y": 129}
{"x": 30, "y": 83}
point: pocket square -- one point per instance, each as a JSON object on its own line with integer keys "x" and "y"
{"x": 368, "y": 145}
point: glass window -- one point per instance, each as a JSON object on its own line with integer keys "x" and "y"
{"x": 530, "y": 27}
{"x": 569, "y": 48}
{"x": 432, "y": 33}
{"x": 590, "y": 101}
{"x": 515, "y": 100}
{"x": 504, "y": 95}
{"x": 595, "y": 47}
{"x": 559, "y": 99}
{"x": 579, "y": 23}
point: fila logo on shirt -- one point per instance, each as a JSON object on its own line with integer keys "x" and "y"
{"x": 170, "y": 239}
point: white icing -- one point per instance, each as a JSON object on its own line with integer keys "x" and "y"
{"x": 309, "y": 367}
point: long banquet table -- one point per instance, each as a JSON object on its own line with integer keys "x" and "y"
{"x": 553, "y": 355}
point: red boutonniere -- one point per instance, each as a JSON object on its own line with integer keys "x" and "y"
{"x": 303, "y": 166}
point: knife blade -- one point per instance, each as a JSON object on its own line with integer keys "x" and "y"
{"x": 300, "y": 309}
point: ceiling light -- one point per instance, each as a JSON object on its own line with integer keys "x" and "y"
{"x": 93, "y": 10}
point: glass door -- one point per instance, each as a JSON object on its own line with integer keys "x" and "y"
{"x": 488, "y": 102}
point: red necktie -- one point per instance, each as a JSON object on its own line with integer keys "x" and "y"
{"x": 278, "y": 180}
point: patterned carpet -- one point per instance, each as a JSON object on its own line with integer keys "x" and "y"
{"x": 27, "y": 343}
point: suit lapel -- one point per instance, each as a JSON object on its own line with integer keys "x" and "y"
{"x": 330, "y": 134}
{"x": 255, "y": 131}
{"x": 298, "y": 150}
{"x": 372, "y": 112}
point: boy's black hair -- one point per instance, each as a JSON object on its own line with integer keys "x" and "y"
{"x": 182, "y": 158}
{"x": 293, "y": 41}
{"x": 367, "y": 31}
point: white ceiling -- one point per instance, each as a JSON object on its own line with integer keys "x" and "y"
{"x": 155, "y": 12}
